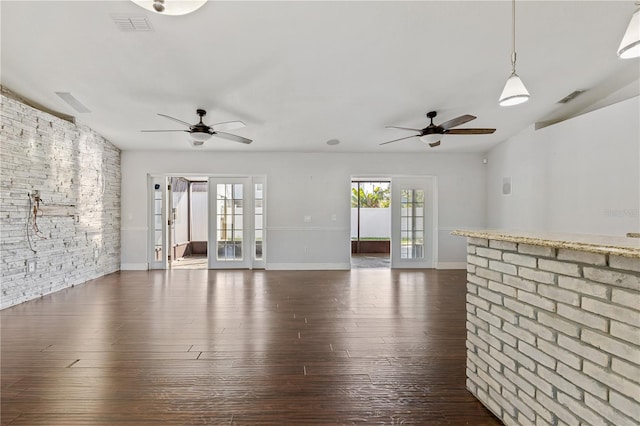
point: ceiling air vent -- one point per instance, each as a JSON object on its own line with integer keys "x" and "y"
{"x": 571, "y": 96}
{"x": 73, "y": 102}
{"x": 132, "y": 23}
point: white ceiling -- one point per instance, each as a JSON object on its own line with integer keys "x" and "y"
{"x": 300, "y": 73}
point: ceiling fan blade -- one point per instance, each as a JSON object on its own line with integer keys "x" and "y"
{"x": 434, "y": 144}
{"x": 469, "y": 131}
{"x": 228, "y": 125}
{"x": 396, "y": 140}
{"x": 457, "y": 121}
{"x": 231, "y": 137}
{"x": 149, "y": 131}
{"x": 175, "y": 119}
{"x": 402, "y": 128}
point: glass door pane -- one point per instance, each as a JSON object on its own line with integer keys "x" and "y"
{"x": 229, "y": 221}
{"x": 258, "y": 219}
{"x": 157, "y": 217}
{"x": 412, "y": 224}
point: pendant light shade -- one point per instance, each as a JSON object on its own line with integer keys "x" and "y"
{"x": 630, "y": 45}
{"x": 171, "y": 7}
{"x": 514, "y": 92}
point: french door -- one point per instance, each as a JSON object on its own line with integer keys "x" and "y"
{"x": 235, "y": 222}
{"x": 230, "y": 227}
{"x": 412, "y": 222}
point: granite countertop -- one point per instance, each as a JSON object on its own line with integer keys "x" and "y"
{"x": 602, "y": 244}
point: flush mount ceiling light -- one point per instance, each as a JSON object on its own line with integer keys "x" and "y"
{"x": 514, "y": 92}
{"x": 171, "y": 7}
{"x": 630, "y": 45}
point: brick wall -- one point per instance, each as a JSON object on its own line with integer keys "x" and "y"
{"x": 77, "y": 173}
{"x": 553, "y": 335}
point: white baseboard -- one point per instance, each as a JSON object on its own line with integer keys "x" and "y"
{"x": 452, "y": 265}
{"x": 134, "y": 266}
{"x": 307, "y": 266}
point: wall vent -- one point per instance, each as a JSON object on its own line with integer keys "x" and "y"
{"x": 571, "y": 96}
{"x": 132, "y": 23}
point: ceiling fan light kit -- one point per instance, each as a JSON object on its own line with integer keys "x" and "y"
{"x": 514, "y": 91}
{"x": 200, "y": 136}
{"x": 431, "y": 139}
{"x": 630, "y": 44}
{"x": 171, "y": 7}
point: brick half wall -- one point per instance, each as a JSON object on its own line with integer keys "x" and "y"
{"x": 553, "y": 335}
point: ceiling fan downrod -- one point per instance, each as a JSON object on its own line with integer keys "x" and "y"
{"x": 158, "y": 5}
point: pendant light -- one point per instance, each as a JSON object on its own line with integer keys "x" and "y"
{"x": 630, "y": 45}
{"x": 171, "y": 7}
{"x": 514, "y": 92}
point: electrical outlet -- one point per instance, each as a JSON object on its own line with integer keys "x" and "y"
{"x": 307, "y": 218}
{"x": 31, "y": 266}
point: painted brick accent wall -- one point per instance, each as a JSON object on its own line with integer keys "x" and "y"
{"x": 77, "y": 173}
{"x": 553, "y": 335}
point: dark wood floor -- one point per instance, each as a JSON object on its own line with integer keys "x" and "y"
{"x": 242, "y": 347}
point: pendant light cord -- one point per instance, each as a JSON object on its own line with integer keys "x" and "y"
{"x": 513, "y": 36}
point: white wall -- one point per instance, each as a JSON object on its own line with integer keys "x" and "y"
{"x": 199, "y": 225}
{"x": 578, "y": 176}
{"x": 313, "y": 184}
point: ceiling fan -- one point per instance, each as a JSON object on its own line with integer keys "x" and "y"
{"x": 200, "y": 132}
{"x": 433, "y": 133}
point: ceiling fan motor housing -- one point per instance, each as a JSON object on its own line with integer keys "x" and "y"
{"x": 200, "y": 131}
